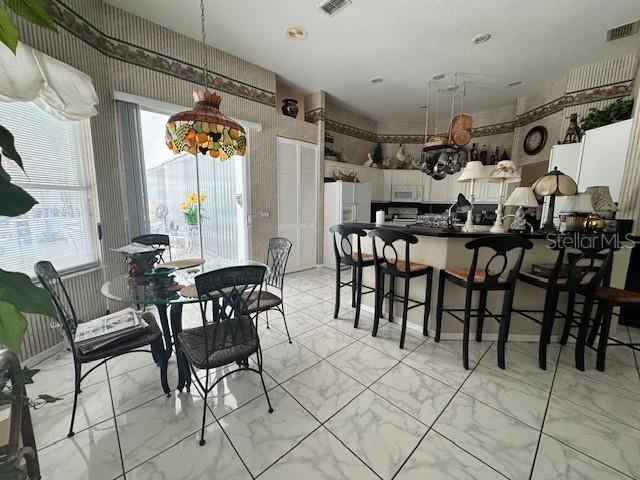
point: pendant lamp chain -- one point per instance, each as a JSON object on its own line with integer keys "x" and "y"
{"x": 205, "y": 49}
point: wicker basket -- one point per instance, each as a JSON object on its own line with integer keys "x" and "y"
{"x": 344, "y": 177}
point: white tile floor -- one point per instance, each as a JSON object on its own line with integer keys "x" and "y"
{"x": 350, "y": 406}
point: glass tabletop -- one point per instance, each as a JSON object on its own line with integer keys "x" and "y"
{"x": 120, "y": 290}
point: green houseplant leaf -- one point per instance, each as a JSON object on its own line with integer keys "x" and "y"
{"x": 32, "y": 11}
{"x": 8, "y": 30}
{"x": 14, "y": 200}
{"x": 16, "y": 288}
{"x": 8, "y": 146}
{"x": 13, "y": 326}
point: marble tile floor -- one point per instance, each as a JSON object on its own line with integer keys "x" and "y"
{"x": 349, "y": 406}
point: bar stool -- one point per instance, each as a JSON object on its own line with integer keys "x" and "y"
{"x": 388, "y": 264}
{"x": 484, "y": 280}
{"x": 346, "y": 255}
{"x": 581, "y": 266}
{"x": 610, "y": 297}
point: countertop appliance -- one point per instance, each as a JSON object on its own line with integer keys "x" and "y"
{"x": 402, "y": 215}
{"x": 407, "y": 193}
{"x": 343, "y": 202}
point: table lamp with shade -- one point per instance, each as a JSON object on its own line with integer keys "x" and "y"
{"x": 470, "y": 173}
{"x": 505, "y": 172}
{"x": 553, "y": 184}
{"x": 521, "y": 197}
{"x": 576, "y": 209}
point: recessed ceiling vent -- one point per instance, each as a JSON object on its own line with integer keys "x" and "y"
{"x": 331, "y": 7}
{"x": 623, "y": 31}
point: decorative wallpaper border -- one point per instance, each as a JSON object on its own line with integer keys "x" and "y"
{"x": 121, "y": 50}
{"x": 580, "y": 97}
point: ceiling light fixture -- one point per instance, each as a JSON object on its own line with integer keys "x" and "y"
{"x": 438, "y": 76}
{"x": 296, "y": 33}
{"x": 376, "y": 80}
{"x": 514, "y": 83}
{"x": 483, "y": 37}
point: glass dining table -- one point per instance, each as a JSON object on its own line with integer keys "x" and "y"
{"x": 169, "y": 305}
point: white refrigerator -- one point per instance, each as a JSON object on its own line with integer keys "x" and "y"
{"x": 343, "y": 202}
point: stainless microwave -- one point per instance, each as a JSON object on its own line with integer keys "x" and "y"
{"x": 406, "y": 193}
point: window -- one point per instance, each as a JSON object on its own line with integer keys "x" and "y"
{"x": 57, "y": 158}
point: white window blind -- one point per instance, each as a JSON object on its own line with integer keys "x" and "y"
{"x": 61, "y": 228}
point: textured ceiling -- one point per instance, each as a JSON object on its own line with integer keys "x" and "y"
{"x": 405, "y": 42}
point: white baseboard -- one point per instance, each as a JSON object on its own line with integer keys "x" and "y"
{"x": 30, "y": 362}
{"x": 458, "y": 335}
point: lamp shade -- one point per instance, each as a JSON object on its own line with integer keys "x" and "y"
{"x": 579, "y": 203}
{"x": 522, "y": 197}
{"x": 462, "y": 205}
{"x": 472, "y": 171}
{"x": 505, "y": 171}
{"x": 601, "y": 200}
{"x": 555, "y": 183}
{"x": 205, "y": 130}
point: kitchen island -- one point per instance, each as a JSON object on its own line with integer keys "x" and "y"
{"x": 445, "y": 249}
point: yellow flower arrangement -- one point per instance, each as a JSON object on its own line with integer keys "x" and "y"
{"x": 190, "y": 208}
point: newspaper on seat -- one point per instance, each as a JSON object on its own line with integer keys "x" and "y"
{"x": 107, "y": 330}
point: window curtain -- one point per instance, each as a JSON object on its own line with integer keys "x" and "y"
{"x": 57, "y": 88}
{"x": 135, "y": 177}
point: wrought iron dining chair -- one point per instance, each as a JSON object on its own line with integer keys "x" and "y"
{"x": 152, "y": 337}
{"x": 157, "y": 240}
{"x": 277, "y": 258}
{"x": 232, "y": 336}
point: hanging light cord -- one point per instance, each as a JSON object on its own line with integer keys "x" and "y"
{"x": 205, "y": 49}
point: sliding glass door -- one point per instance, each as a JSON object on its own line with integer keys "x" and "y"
{"x": 177, "y": 185}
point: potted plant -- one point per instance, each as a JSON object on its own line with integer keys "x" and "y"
{"x": 614, "y": 112}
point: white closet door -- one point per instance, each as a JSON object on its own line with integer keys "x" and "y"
{"x": 297, "y": 201}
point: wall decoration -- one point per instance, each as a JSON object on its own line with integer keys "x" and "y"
{"x": 535, "y": 140}
{"x": 290, "y": 107}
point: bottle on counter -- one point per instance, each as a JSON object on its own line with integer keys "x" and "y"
{"x": 473, "y": 154}
{"x": 483, "y": 154}
{"x": 504, "y": 155}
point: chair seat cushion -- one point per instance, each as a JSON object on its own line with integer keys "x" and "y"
{"x": 222, "y": 347}
{"x": 617, "y": 296}
{"x": 268, "y": 300}
{"x": 402, "y": 266}
{"x": 151, "y": 334}
{"x": 463, "y": 274}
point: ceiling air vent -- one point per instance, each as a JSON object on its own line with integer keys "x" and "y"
{"x": 331, "y": 7}
{"x": 623, "y": 31}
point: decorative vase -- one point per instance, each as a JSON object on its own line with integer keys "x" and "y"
{"x": 290, "y": 107}
{"x": 594, "y": 223}
{"x": 192, "y": 229}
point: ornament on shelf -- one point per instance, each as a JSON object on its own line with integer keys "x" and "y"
{"x": 574, "y": 134}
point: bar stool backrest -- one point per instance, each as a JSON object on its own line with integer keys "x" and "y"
{"x": 498, "y": 265}
{"x": 389, "y": 253}
{"x": 343, "y": 244}
{"x": 154, "y": 240}
{"x": 581, "y": 266}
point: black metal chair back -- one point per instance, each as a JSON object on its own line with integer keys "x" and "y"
{"x": 52, "y": 283}
{"x": 230, "y": 291}
{"x": 582, "y": 266}
{"x": 343, "y": 249}
{"x": 494, "y": 269}
{"x": 157, "y": 240}
{"x": 389, "y": 253}
{"x": 277, "y": 258}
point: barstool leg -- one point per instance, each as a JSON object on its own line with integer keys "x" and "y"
{"x": 377, "y": 305}
{"x": 582, "y": 332}
{"x": 354, "y": 278}
{"x": 439, "y": 306}
{"x": 467, "y": 324}
{"x": 405, "y": 311}
{"x": 505, "y": 320}
{"x": 482, "y": 307}
{"x": 548, "y": 317}
{"x": 337, "y": 301}
{"x": 358, "y": 296}
{"x": 597, "y": 322}
{"x": 606, "y": 311}
{"x": 392, "y": 295}
{"x": 568, "y": 321}
{"x": 427, "y": 304}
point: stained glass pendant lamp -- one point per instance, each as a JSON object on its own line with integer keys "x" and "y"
{"x": 205, "y": 129}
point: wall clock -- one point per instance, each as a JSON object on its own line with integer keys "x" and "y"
{"x": 535, "y": 139}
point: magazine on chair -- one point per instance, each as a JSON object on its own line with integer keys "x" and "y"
{"x": 105, "y": 331}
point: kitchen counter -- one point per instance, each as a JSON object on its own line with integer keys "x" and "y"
{"x": 445, "y": 249}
